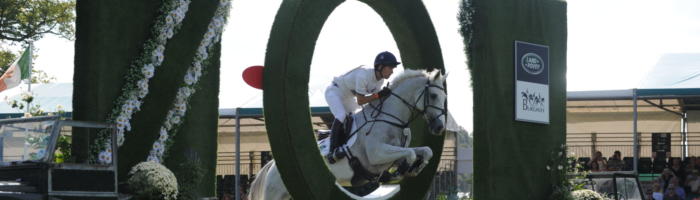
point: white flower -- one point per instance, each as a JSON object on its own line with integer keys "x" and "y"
{"x": 105, "y": 157}
{"x": 175, "y": 120}
{"x": 127, "y": 126}
{"x": 167, "y": 125}
{"x": 162, "y": 36}
{"x": 169, "y": 20}
{"x": 181, "y": 108}
{"x": 157, "y": 58}
{"x": 548, "y": 168}
{"x": 122, "y": 119}
{"x": 218, "y": 22}
{"x": 143, "y": 92}
{"x": 209, "y": 35}
{"x": 203, "y": 47}
{"x": 153, "y": 158}
{"x": 169, "y": 33}
{"x": 559, "y": 167}
{"x": 184, "y": 91}
{"x": 127, "y": 110}
{"x": 148, "y": 70}
{"x": 163, "y": 137}
{"x": 157, "y": 145}
{"x": 189, "y": 78}
{"x": 160, "y": 49}
{"x": 136, "y": 104}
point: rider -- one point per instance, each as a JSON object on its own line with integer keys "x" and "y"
{"x": 352, "y": 89}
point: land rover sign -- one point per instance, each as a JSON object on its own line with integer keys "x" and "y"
{"x": 531, "y": 82}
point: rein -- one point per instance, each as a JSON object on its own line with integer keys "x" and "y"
{"x": 414, "y": 109}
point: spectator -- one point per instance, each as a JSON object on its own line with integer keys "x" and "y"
{"x": 597, "y": 163}
{"x": 678, "y": 170}
{"x": 665, "y": 179}
{"x": 658, "y": 192}
{"x": 692, "y": 183}
{"x": 615, "y": 162}
{"x": 674, "y": 187}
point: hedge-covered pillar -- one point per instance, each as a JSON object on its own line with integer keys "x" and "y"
{"x": 110, "y": 34}
{"x": 510, "y": 157}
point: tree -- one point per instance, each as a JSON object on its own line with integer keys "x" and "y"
{"x": 6, "y": 58}
{"x": 23, "y": 20}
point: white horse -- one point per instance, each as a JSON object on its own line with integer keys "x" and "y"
{"x": 380, "y": 140}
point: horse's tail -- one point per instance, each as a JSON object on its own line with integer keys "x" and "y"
{"x": 257, "y": 186}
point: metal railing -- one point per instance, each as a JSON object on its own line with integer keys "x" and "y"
{"x": 445, "y": 179}
{"x": 585, "y": 144}
{"x": 444, "y": 182}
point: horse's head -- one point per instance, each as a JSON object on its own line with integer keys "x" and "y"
{"x": 435, "y": 102}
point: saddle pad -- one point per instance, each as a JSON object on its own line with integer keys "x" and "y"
{"x": 324, "y": 144}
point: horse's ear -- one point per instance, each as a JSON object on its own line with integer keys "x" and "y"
{"x": 435, "y": 74}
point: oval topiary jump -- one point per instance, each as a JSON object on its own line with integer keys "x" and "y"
{"x": 289, "y": 52}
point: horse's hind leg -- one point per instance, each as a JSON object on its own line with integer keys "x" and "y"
{"x": 274, "y": 187}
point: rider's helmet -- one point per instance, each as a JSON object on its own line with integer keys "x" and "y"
{"x": 385, "y": 59}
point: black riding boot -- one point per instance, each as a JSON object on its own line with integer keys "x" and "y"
{"x": 337, "y": 139}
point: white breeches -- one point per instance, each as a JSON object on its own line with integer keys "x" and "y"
{"x": 340, "y": 103}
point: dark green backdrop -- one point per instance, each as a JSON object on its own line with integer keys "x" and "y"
{"x": 509, "y": 156}
{"x": 109, "y": 35}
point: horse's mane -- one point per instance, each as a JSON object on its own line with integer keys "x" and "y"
{"x": 408, "y": 74}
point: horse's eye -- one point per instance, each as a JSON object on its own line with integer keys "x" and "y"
{"x": 433, "y": 96}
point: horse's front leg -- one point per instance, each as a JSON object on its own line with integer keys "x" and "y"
{"x": 381, "y": 154}
{"x": 425, "y": 154}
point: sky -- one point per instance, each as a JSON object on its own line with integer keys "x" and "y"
{"x": 612, "y": 44}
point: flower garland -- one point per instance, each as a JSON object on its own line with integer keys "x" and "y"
{"x": 177, "y": 112}
{"x": 141, "y": 71}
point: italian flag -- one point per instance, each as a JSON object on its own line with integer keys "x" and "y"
{"x": 19, "y": 70}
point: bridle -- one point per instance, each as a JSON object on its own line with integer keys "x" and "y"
{"x": 412, "y": 106}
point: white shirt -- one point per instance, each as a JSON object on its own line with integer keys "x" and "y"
{"x": 360, "y": 80}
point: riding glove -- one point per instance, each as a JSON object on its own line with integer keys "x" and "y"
{"x": 384, "y": 92}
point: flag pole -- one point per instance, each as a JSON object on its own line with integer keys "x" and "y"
{"x": 29, "y": 82}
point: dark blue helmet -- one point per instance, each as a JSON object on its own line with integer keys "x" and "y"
{"x": 386, "y": 59}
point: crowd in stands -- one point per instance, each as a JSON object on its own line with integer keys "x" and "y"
{"x": 678, "y": 179}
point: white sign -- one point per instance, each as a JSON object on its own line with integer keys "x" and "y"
{"x": 531, "y": 82}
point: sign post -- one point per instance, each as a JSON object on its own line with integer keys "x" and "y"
{"x": 531, "y": 82}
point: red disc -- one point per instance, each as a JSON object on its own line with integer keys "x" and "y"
{"x": 253, "y": 76}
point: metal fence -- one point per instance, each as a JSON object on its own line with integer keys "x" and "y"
{"x": 251, "y": 162}
{"x": 445, "y": 180}
{"x": 444, "y": 183}
{"x": 585, "y": 144}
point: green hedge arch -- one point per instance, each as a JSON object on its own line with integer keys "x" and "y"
{"x": 289, "y": 52}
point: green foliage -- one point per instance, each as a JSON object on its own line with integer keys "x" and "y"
{"x": 22, "y": 20}
{"x": 564, "y": 171}
{"x": 39, "y": 76}
{"x": 465, "y": 18}
{"x": 190, "y": 175}
{"x": 6, "y": 59}
{"x": 63, "y": 149}
{"x": 150, "y": 180}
